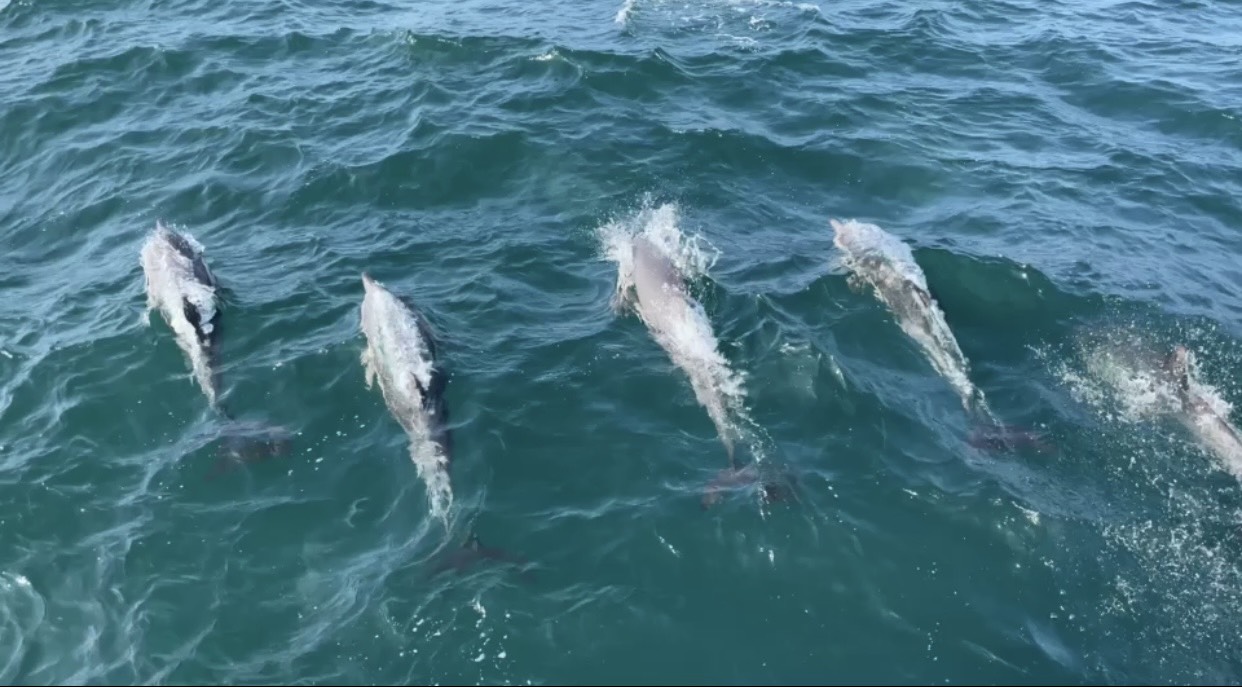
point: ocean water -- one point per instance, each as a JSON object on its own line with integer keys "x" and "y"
{"x": 1068, "y": 174}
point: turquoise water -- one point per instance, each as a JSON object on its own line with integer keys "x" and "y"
{"x": 1068, "y": 174}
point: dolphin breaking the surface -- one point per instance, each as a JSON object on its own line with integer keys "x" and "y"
{"x": 878, "y": 258}
{"x": 181, "y": 286}
{"x": 1197, "y": 410}
{"x": 886, "y": 263}
{"x": 650, "y": 282}
{"x": 682, "y": 329}
{"x": 401, "y": 354}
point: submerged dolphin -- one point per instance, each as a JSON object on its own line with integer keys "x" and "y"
{"x": 401, "y": 354}
{"x": 472, "y": 553}
{"x": 772, "y": 488}
{"x": 887, "y": 264}
{"x": 680, "y": 326}
{"x": 181, "y": 286}
{"x": 1200, "y": 416}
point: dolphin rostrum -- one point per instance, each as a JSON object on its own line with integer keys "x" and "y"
{"x": 1197, "y": 412}
{"x": 886, "y": 263}
{"x": 181, "y": 286}
{"x": 679, "y": 325}
{"x": 401, "y": 354}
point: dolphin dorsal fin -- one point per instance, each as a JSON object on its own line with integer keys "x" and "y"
{"x": 194, "y": 317}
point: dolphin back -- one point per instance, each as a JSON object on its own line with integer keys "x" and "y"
{"x": 863, "y": 243}
{"x": 400, "y": 354}
{"x": 655, "y": 276}
{"x": 181, "y": 286}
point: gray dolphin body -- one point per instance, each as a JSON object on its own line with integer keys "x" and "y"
{"x": 1199, "y": 415}
{"x": 181, "y": 286}
{"x": 679, "y": 325}
{"x": 886, "y": 263}
{"x": 401, "y": 355}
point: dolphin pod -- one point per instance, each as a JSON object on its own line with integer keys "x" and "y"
{"x": 400, "y": 353}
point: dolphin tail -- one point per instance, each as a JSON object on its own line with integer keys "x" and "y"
{"x": 772, "y": 486}
{"x": 247, "y": 442}
{"x": 473, "y": 551}
{"x": 999, "y": 438}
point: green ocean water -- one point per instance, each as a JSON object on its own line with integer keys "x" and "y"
{"x": 1068, "y": 174}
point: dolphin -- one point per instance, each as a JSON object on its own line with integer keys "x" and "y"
{"x": 475, "y": 553}
{"x": 657, "y": 290}
{"x": 772, "y": 488}
{"x": 1199, "y": 415}
{"x": 886, "y": 263}
{"x": 181, "y": 286}
{"x": 401, "y": 354}
{"x": 677, "y": 322}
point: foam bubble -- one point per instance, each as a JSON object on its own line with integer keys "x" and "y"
{"x": 622, "y": 18}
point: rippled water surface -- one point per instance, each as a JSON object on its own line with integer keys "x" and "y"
{"x": 1069, "y": 175}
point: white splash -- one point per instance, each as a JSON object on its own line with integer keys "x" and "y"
{"x": 722, "y": 16}
{"x": 671, "y": 549}
{"x": 547, "y": 56}
{"x": 744, "y": 5}
{"x": 622, "y": 18}
{"x": 1117, "y": 379}
{"x": 1124, "y": 380}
